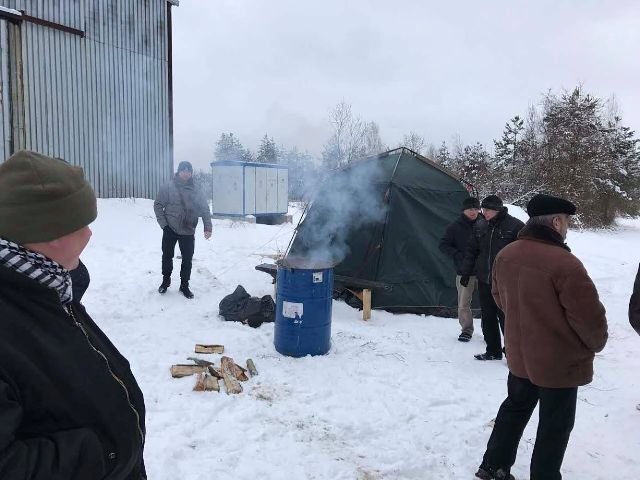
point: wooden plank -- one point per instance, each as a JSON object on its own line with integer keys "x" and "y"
{"x": 200, "y": 348}
{"x": 366, "y": 304}
{"x": 179, "y": 371}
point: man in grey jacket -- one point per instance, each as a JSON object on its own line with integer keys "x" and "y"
{"x": 178, "y": 206}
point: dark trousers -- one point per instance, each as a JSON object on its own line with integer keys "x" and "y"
{"x": 492, "y": 319}
{"x": 186, "y": 244}
{"x": 557, "y": 415}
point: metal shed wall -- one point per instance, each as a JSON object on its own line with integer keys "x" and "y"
{"x": 101, "y": 101}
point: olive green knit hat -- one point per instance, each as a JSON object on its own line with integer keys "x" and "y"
{"x": 43, "y": 198}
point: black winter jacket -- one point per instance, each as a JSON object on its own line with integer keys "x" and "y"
{"x": 80, "y": 281}
{"x": 70, "y": 407}
{"x": 456, "y": 239}
{"x": 634, "y": 305}
{"x": 487, "y": 240}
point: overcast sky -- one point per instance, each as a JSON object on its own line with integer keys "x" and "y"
{"x": 439, "y": 68}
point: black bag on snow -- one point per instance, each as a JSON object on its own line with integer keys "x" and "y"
{"x": 242, "y": 307}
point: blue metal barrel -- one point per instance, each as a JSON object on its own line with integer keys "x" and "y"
{"x": 303, "y": 311}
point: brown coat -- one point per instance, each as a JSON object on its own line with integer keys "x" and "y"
{"x": 634, "y": 305}
{"x": 554, "y": 322}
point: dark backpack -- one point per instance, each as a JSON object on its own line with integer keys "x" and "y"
{"x": 242, "y": 307}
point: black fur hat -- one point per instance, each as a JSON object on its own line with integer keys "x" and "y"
{"x": 542, "y": 204}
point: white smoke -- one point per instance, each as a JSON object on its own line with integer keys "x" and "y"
{"x": 349, "y": 200}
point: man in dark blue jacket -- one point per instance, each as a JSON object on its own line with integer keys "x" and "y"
{"x": 70, "y": 408}
{"x": 487, "y": 240}
{"x": 454, "y": 244}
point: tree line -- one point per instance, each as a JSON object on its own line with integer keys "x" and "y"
{"x": 571, "y": 144}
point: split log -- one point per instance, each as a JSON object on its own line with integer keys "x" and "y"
{"x": 199, "y": 361}
{"x": 200, "y": 348}
{"x": 215, "y": 372}
{"x": 211, "y": 384}
{"x": 252, "y": 368}
{"x": 206, "y": 383}
{"x": 230, "y": 381}
{"x": 199, "y": 386}
{"x": 179, "y": 371}
{"x": 237, "y": 371}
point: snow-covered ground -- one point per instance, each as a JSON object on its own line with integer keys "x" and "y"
{"x": 397, "y": 397}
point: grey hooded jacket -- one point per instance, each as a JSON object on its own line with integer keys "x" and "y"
{"x": 179, "y": 205}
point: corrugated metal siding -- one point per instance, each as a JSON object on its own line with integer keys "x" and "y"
{"x": 100, "y": 102}
{"x": 5, "y": 106}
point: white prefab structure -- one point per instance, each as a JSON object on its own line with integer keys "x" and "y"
{"x": 245, "y": 188}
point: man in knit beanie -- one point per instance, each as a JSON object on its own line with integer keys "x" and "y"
{"x": 454, "y": 244}
{"x": 178, "y": 207}
{"x": 69, "y": 405}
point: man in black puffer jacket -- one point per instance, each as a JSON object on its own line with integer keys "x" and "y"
{"x": 454, "y": 244}
{"x": 488, "y": 239}
{"x": 70, "y": 407}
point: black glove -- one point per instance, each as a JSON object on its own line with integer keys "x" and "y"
{"x": 464, "y": 280}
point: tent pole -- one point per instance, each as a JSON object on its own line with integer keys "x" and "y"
{"x": 386, "y": 218}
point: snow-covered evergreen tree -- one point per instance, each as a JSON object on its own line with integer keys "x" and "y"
{"x": 228, "y": 147}
{"x": 267, "y": 151}
{"x": 507, "y": 147}
{"x": 443, "y": 156}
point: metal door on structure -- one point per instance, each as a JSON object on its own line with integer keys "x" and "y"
{"x": 5, "y": 93}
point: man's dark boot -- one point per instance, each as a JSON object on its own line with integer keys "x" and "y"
{"x": 166, "y": 281}
{"x": 184, "y": 289}
{"x": 488, "y": 356}
{"x": 487, "y": 473}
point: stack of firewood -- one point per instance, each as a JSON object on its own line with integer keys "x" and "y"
{"x": 208, "y": 374}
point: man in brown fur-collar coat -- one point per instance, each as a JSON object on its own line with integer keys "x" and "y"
{"x": 554, "y": 326}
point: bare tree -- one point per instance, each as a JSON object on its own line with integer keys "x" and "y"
{"x": 352, "y": 138}
{"x": 414, "y": 141}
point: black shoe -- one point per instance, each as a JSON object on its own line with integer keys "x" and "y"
{"x": 464, "y": 337}
{"x": 166, "y": 282}
{"x": 485, "y": 473}
{"x": 184, "y": 289}
{"x": 487, "y": 356}
{"x": 503, "y": 475}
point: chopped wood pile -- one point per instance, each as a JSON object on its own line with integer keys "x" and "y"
{"x": 208, "y": 373}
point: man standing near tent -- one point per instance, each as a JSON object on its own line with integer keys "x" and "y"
{"x": 555, "y": 326}
{"x": 454, "y": 244}
{"x": 177, "y": 207}
{"x": 487, "y": 240}
{"x": 70, "y": 408}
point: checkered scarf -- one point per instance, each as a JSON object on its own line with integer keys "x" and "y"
{"x": 37, "y": 267}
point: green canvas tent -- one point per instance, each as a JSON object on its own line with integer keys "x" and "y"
{"x": 389, "y": 212}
